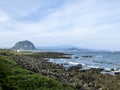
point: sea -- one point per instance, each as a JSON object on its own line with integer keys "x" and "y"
{"x": 109, "y": 61}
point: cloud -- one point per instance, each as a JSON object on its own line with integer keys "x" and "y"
{"x": 3, "y": 17}
{"x": 78, "y": 22}
{"x": 24, "y": 9}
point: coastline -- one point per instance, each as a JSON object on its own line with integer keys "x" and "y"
{"x": 91, "y": 79}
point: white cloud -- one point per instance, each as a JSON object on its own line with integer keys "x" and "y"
{"x": 3, "y": 17}
{"x": 26, "y": 8}
{"x": 78, "y": 22}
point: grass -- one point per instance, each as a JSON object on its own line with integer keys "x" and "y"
{"x": 13, "y": 77}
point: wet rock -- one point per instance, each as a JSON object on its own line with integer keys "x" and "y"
{"x": 117, "y": 73}
{"x": 76, "y": 68}
{"x": 90, "y": 79}
{"x": 96, "y": 70}
{"x": 112, "y": 69}
{"x": 87, "y": 56}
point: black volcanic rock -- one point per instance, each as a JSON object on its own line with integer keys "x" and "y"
{"x": 24, "y": 45}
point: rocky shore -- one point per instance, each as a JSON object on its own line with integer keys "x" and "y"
{"x": 91, "y": 79}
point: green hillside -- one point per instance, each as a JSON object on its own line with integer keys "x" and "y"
{"x": 13, "y": 77}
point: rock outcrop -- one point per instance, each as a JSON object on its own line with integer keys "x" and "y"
{"x": 24, "y": 45}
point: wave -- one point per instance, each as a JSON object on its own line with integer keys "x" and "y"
{"x": 90, "y": 66}
{"x": 99, "y": 56}
{"x": 103, "y": 62}
{"x": 73, "y": 63}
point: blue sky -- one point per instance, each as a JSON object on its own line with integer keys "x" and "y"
{"x": 82, "y": 23}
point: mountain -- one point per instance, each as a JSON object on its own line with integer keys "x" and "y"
{"x": 78, "y": 49}
{"x": 65, "y": 48}
{"x": 75, "y": 49}
{"x": 24, "y": 45}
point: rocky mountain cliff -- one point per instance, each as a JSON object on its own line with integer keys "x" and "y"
{"x": 24, "y": 45}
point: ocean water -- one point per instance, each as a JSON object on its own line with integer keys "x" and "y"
{"x": 109, "y": 61}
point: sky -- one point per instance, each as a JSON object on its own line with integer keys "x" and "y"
{"x": 82, "y": 23}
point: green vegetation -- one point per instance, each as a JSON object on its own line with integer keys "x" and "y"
{"x": 49, "y": 55}
{"x": 15, "y": 74}
{"x": 13, "y": 77}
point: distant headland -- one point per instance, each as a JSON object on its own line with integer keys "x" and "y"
{"x": 24, "y": 45}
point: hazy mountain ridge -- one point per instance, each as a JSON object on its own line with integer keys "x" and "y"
{"x": 69, "y": 48}
{"x": 28, "y": 45}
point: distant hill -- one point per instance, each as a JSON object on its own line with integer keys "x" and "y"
{"x": 85, "y": 50}
{"x": 79, "y": 49}
{"x": 65, "y": 48}
{"x": 24, "y": 45}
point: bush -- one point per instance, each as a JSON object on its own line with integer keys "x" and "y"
{"x": 13, "y": 77}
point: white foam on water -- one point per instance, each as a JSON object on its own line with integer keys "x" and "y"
{"x": 99, "y": 56}
{"x": 82, "y": 64}
{"x": 116, "y": 71}
{"x": 73, "y": 63}
{"x": 107, "y": 69}
{"x": 92, "y": 66}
